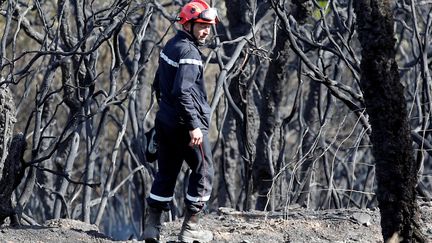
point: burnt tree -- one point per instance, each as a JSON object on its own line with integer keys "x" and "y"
{"x": 396, "y": 168}
{"x": 11, "y": 150}
{"x": 273, "y": 91}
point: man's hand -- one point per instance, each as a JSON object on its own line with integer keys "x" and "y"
{"x": 196, "y": 137}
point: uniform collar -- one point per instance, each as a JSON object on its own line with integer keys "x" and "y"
{"x": 184, "y": 35}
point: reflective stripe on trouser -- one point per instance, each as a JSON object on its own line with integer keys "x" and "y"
{"x": 173, "y": 149}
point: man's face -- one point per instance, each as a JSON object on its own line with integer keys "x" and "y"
{"x": 201, "y": 31}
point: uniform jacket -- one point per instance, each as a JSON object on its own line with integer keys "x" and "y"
{"x": 179, "y": 85}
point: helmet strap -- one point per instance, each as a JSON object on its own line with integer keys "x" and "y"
{"x": 191, "y": 30}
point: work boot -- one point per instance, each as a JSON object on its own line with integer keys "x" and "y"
{"x": 192, "y": 231}
{"x": 152, "y": 225}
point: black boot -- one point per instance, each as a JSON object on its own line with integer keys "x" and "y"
{"x": 152, "y": 225}
{"x": 192, "y": 231}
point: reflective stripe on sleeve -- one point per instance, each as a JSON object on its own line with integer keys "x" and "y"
{"x": 191, "y": 61}
{"x": 169, "y": 61}
{"x": 182, "y": 61}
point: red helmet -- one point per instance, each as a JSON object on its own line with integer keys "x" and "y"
{"x": 198, "y": 11}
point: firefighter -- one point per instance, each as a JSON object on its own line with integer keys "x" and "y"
{"x": 182, "y": 124}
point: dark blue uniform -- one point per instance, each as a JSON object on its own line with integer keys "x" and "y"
{"x": 183, "y": 107}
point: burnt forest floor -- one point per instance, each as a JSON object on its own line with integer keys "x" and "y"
{"x": 296, "y": 225}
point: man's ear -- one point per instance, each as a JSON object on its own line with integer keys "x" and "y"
{"x": 187, "y": 26}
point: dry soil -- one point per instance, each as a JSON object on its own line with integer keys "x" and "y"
{"x": 295, "y": 225}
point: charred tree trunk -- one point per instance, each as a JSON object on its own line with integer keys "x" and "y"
{"x": 69, "y": 152}
{"x": 237, "y": 11}
{"x": 391, "y": 138}
{"x": 7, "y": 121}
{"x": 275, "y": 83}
{"x": 232, "y": 143}
{"x": 13, "y": 173}
{"x": 11, "y": 166}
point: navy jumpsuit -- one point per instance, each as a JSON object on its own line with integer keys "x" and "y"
{"x": 183, "y": 106}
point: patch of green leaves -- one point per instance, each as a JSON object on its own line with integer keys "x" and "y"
{"x": 322, "y": 4}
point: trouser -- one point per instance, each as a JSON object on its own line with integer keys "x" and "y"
{"x": 173, "y": 149}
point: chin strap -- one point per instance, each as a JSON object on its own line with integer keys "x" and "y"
{"x": 191, "y": 29}
{"x": 192, "y": 34}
